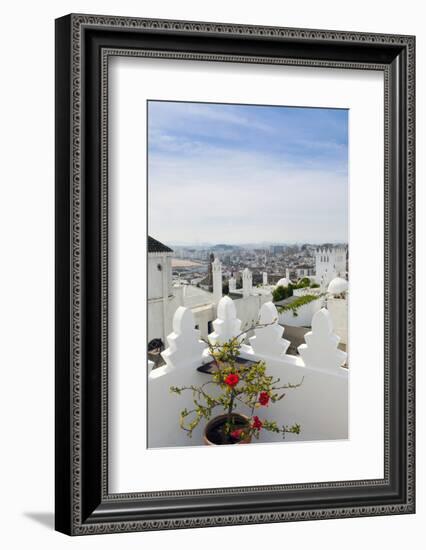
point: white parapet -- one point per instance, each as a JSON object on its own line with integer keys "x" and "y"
{"x": 338, "y": 308}
{"x": 321, "y": 351}
{"x": 227, "y": 325}
{"x": 319, "y": 403}
{"x": 185, "y": 348}
{"x": 268, "y": 340}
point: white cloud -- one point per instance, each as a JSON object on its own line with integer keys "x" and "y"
{"x": 239, "y": 197}
{"x": 165, "y": 115}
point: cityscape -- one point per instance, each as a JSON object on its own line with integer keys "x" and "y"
{"x": 190, "y": 264}
{"x": 247, "y": 250}
{"x": 298, "y": 278}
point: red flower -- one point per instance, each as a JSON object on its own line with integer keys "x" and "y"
{"x": 236, "y": 434}
{"x": 264, "y": 398}
{"x": 257, "y": 423}
{"x": 232, "y": 380}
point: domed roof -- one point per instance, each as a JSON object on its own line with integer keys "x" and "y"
{"x": 337, "y": 286}
{"x": 283, "y": 282}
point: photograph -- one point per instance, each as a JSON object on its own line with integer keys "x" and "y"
{"x": 248, "y": 273}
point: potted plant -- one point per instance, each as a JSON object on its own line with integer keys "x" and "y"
{"x": 234, "y": 385}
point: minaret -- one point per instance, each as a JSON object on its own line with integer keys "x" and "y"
{"x": 216, "y": 268}
{"x": 210, "y": 274}
{"x": 232, "y": 283}
{"x": 247, "y": 282}
{"x": 265, "y": 278}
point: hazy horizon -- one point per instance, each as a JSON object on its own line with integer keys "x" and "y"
{"x": 250, "y": 244}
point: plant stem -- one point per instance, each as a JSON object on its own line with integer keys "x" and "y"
{"x": 231, "y": 405}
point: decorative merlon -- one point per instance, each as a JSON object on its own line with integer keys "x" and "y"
{"x": 320, "y": 350}
{"x": 226, "y": 326}
{"x": 268, "y": 340}
{"x": 185, "y": 348}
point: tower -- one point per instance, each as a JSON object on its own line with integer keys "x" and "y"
{"x": 247, "y": 282}
{"x": 216, "y": 268}
{"x": 210, "y": 273}
{"x": 232, "y": 283}
{"x": 329, "y": 264}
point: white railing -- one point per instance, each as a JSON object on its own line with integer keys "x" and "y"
{"x": 319, "y": 405}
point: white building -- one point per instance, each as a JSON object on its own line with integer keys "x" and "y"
{"x": 161, "y": 306}
{"x": 304, "y": 270}
{"x": 329, "y": 264}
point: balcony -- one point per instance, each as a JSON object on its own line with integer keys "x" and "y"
{"x": 319, "y": 404}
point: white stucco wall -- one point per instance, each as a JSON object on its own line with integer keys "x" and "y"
{"x": 162, "y": 302}
{"x": 155, "y": 275}
{"x": 304, "y": 314}
{"x": 320, "y": 419}
{"x": 248, "y": 308}
{"x": 338, "y": 308}
{"x": 202, "y": 316}
{"x": 159, "y": 326}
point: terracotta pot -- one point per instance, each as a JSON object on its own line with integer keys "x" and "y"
{"x": 220, "y": 420}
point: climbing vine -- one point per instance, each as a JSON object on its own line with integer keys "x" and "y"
{"x": 297, "y": 303}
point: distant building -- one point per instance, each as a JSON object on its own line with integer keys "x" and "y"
{"x": 304, "y": 270}
{"x": 277, "y": 249}
{"x": 329, "y": 264}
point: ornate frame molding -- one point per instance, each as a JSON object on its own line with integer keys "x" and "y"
{"x": 78, "y": 498}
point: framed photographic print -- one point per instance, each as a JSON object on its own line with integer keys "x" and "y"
{"x": 234, "y": 274}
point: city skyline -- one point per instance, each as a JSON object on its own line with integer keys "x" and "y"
{"x": 243, "y": 174}
{"x": 265, "y": 244}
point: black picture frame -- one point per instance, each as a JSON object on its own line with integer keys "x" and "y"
{"x": 83, "y": 44}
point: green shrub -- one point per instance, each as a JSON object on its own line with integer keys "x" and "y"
{"x": 303, "y": 283}
{"x": 282, "y": 292}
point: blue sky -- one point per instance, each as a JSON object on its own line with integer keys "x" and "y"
{"x": 245, "y": 174}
